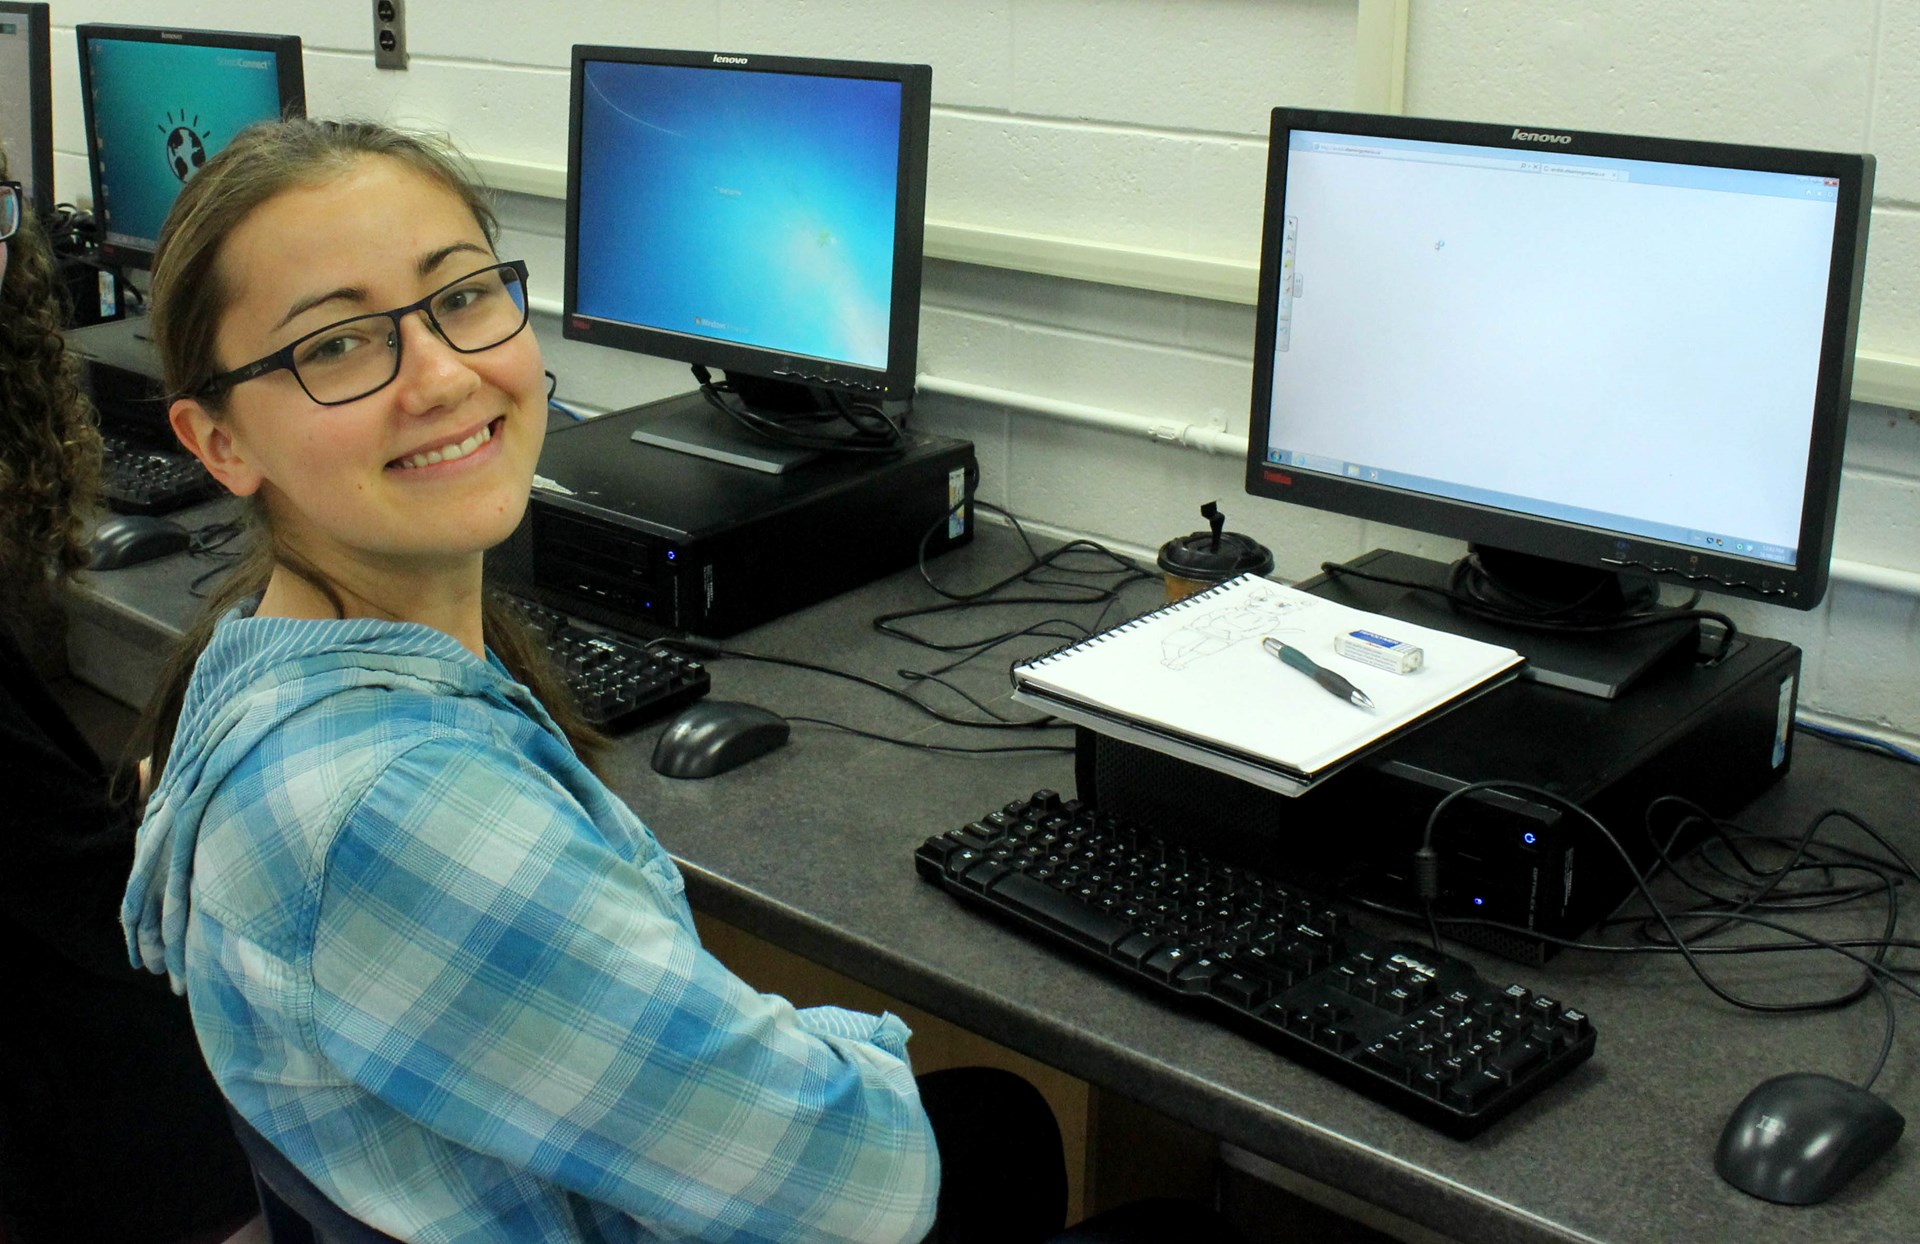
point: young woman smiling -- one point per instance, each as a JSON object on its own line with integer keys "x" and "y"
{"x": 430, "y": 956}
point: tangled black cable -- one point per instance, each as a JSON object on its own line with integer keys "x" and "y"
{"x": 209, "y": 542}
{"x": 1049, "y": 570}
{"x": 871, "y": 430}
{"x": 1068, "y": 591}
{"x": 1659, "y": 933}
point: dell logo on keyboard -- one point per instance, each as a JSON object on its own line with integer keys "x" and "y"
{"x": 1415, "y": 964}
{"x": 1535, "y": 136}
{"x": 718, "y": 59}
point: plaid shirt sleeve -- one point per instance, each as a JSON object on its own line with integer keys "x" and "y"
{"x": 488, "y": 966}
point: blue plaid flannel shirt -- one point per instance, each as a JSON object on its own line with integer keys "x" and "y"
{"x": 455, "y": 980}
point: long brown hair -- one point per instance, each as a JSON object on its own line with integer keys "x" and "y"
{"x": 188, "y": 300}
{"x": 49, "y": 449}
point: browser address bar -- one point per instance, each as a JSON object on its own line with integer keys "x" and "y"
{"x": 1466, "y": 161}
{"x": 1573, "y": 170}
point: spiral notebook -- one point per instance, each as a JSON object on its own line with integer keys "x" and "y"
{"x": 1194, "y": 679}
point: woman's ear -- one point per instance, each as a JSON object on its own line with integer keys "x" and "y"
{"x": 209, "y": 440}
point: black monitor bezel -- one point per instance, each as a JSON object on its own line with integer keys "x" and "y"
{"x": 288, "y": 66}
{"x": 896, "y": 379}
{"x": 1801, "y": 586}
{"x": 39, "y": 99}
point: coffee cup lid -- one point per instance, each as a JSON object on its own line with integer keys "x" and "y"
{"x": 1201, "y": 556}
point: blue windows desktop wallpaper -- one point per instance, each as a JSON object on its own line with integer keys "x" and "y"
{"x": 741, "y": 206}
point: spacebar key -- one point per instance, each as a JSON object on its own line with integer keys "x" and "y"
{"x": 1021, "y": 893}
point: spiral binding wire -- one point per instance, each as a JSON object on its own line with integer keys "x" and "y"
{"x": 1149, "y": 616}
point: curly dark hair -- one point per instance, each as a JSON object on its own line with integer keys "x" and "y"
{"x": 49, "y": 447}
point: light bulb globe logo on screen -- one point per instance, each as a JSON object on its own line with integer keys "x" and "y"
{"x": 186, "y": 147}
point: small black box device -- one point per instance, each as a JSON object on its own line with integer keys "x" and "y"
{"x": 651, "y": 539}
{"x": 1716, "y": 734}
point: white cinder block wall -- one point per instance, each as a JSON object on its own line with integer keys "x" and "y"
{"x": 1139, "y": 126}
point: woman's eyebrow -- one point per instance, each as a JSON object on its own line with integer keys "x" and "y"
{"x": 433, "y": 259}
{"x": 358, "y": 294}
{"x": 346, "y": 293}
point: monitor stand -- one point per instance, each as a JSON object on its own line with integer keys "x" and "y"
{"x": 1603, "y": 664}
{"x": 690, "y": 425}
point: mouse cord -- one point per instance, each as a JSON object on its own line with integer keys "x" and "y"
{"x": 982, "y": 647}
{"x": 1720, "y": 907}
{"x": 1886, "y": 1041}
{"x": 1898, "y": 862}
{"x": 995, "y": 723}
{"x": 1057, "y": 748}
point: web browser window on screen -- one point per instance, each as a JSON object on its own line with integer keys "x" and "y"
{"x": 1582, "y": 337}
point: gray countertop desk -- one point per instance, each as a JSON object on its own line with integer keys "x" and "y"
{"x": 810, "y": 849}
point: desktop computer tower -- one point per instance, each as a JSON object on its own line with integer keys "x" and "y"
{"x": 1713, "y": 734}
{"x": 654, "y": 540}
{"x": 121, "y": 371}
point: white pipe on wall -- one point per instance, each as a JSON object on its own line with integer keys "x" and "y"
{"x": 1234, "y": 445}
{"x": 1214, "y": 440}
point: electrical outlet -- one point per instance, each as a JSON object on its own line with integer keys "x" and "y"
{"x": 389, "y": 34}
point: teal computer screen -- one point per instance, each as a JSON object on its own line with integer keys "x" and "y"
{"x": 161, "y": 110}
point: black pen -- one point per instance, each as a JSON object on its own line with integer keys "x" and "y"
{"x": 1325, "y": 677}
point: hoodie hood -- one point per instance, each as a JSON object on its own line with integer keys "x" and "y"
{"x": 254, "y": 675}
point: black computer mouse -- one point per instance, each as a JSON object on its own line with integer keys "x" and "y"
{"x": 1797, "y": 1139}
{"x": 129, "y": 539}
{"x": 712, "y": 736}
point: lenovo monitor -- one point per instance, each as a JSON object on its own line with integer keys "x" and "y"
{"x": 1588, "y": 355}
{"x": 762, "y": 215}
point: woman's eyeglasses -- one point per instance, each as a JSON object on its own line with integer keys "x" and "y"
{"x": 12, "y": 199}
{"x": 345, "y": 362}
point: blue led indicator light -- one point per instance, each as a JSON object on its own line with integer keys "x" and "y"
{"x": 1479, "y": 902}
{"x": 1529, "y": 839}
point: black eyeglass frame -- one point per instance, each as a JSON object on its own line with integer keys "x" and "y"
{"x": 19, "y": 207}
{"x": 282, "y": 359}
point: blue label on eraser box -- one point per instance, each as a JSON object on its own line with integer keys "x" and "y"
{"x": 1379, "y": 651}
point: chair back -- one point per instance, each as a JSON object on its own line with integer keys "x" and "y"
{"x": 296, "y": 1212}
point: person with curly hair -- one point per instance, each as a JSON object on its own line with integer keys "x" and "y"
{"x": 111, "y": 1128}
{"x": 52, "y": 452}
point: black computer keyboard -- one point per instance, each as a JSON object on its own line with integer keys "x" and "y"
{"x": 620, "y": 682}
{"x": 1420, "y": 1031}
{"x": 137, "y": 478}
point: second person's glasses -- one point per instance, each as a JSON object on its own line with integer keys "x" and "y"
{"x": 10, "y": 208}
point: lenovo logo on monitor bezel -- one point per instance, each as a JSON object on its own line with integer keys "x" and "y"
{"x": 1536, "y": 136}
